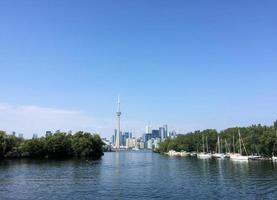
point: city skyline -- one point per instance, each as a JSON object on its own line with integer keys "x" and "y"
{"x": 191, "y": 65}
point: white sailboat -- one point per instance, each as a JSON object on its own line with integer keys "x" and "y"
{"x": 228, "y": 149}
{"x": 204, "y": 155}
{"x": 219, "y": 153}
{"x": 239, "y": 156}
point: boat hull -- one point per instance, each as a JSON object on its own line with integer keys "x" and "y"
{"x": 238, "y": 157}
{"x": 219, "y": 155}
{"x": 204, "y": 155}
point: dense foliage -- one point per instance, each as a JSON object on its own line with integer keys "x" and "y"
{"x": 57, "y": 145}
{"x": 257, "y": 139}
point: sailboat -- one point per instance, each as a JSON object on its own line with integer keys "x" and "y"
{"x": 218, "y": 154}
{"x": 255, "y": 154}
{"x": 204, "y": 155}
{"x": 239, "y": 156}
{"x": 227, "y": 149}
{"x": 274, "y": 157}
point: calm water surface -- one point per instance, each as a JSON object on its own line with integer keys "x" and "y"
{"x": 137, "y": 175}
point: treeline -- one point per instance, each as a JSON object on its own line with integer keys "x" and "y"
{"x": 257, "y": 139}
{"x": 58, "y": 145}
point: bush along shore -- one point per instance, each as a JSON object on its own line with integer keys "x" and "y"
{"x": 58, "y": 145}
{"x": 258, "y": 140}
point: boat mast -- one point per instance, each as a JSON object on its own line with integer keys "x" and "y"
{"x": 234, "y": 148}
{"x": 207, "y": 144}
{"x": 203, "y": 144}
{"x": 218, "y": 144}
{"x": 240, "y": 151}
{"x": 273, "y": 153}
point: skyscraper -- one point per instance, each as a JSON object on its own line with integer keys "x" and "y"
{"x": 166, "y": 130}
{"x": 118, "y": 113}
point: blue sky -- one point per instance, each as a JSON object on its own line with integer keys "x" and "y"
{"x": 190, "y": 64}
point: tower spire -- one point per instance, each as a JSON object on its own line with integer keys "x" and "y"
{"x": 118, "y": 133}
{"x": 118, "y": 103}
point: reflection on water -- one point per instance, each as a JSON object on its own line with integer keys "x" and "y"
{"x": 138, "y": 175}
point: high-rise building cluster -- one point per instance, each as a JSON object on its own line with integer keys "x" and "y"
{"x": 150, "y": 139}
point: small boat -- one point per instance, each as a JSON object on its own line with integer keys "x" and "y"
{"x": 184, "y": 153}
{"x": 218, "y": 154}
{"x": 239, "y": 156}
{"x": 204, "y": 155}
{"x": 193, "y": 154}
{"x": 255, "y": 157}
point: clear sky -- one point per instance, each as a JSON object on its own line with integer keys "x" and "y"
{"x": 189, "y": 64}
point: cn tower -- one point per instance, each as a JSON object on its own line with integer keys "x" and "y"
{"x": 118, "y": 113}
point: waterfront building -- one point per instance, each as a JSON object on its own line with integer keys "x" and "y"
{"x": 130, "y": 143}
{"x": 150, "y": 144}
{"x": 156, "y": 143}
{"x": 118, "y": 113}
{"x": 20, "y": 135}
{"x": 141, "y": 145}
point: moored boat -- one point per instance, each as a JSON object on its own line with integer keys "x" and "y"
{"x": 255, "y": 157}
{"x": 218, "y": 154}
{"x": 204, "y": 155}
{"x": 239, "y": 156}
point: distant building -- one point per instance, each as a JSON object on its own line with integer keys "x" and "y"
{"x": 162, "y": 133}
{"x": 48, "y": 133}
{"x": 113, "y": 139}
{"x": 156, "y": 143}
{"x": 20, "y": 135}
{"x": 14, "y": 133}
{"x": 148, "y": 129}
{"x": 124, "y": 136}
{"x": 149, "y": 144}
{"x": 35, "y": 136}
{"x": 156, "y": 134}
{"x": 130, "y": 143}
{"x": 141, "y": 145}
{"x": 120, "y": 138}
{"x": 172, "y": 134}
{"x": 166, "y": 130}
{"x": 146, "y": 136}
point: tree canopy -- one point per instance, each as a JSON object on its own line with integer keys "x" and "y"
{"x": 57, "y": 145}
{"x": 257, "y": 139}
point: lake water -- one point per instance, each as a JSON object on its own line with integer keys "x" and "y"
{"x": 137, "y": 175}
